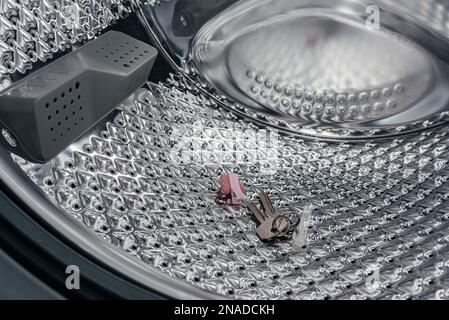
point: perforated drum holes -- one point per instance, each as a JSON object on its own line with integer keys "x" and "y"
{"x": 123, "y": 55}
{"x": 347, "y": 239}
{"x": 58, "y": 35}
{"x": 63, "y": 114}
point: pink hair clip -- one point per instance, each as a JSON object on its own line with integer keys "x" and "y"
{"x": 232, "y": 189}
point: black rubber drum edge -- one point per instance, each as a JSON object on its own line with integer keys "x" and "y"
{"x": 45, "y": 112}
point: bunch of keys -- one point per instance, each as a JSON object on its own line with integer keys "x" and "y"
{"x": 271, "y": 224}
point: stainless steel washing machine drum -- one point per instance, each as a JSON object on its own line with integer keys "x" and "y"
{"x": 339, "y": 106}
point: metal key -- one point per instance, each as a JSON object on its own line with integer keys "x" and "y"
{"x": 272, "y": 224}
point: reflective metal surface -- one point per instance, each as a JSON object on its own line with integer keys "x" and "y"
{"x": 138, "y": 190}
{"x": 317, "y": 68}
{"x": 33, "y": 31}
{"x": 382, "y": 206}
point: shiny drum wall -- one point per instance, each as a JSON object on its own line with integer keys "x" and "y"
{"x": 138, "y": 190}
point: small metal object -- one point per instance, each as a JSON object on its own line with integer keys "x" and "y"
{"x": 272, "y": 224}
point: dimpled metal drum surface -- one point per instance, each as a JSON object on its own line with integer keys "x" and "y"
{"x": 145, "y": 179}
{"x": 316, "y": 68}
{"x": 35, "y": 30}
